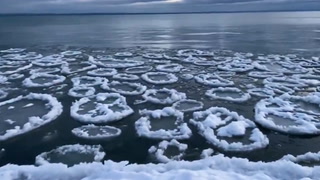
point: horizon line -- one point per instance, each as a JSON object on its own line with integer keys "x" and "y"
{"x": 153, "y": 13}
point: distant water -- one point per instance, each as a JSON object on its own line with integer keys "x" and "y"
{"x": 246, "y": 32}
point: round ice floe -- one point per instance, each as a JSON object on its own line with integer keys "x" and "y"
{"x": 123, "y": 54}
{"x": 3, "y": 79}
{"x": 126, "y": 77}
{"x": 168, "y": 151}
{"x": 212, "y": 80}
{"x": 205, "y": 63}
{"x": 72, "y": 155}
{"x": 152, "y": 56}
{"x": 206, "y": 153}
{"x": 11, "y": 69}
{"x": 71, "y": 68}
{"x": 192, "y": 59}
{"x": 13, "y": 50}
{"x": 261, "y": 92}
{"x": 285, "y": 81}
{"x": 235, "y": 67}
{"x": 14, "y": 76}
{"x": 139, "y": 69}
{"x": 87, "y": 81}
{"x": 186, "y": 76}
{"x": 93, "y": 132}
{"x": 264, "y": 74}
{"x": 228, "y": 130}
{"x": 103, "y": 72}
{"x": 309, "y": 79}
{"x": 124, "y": 88}
{"x": 81, "y": 91}
{"x": 165, "y": 123}
{"x": 279, "y": 89}
{"x": 70, "y": 53}
{"x": 43, "y": 80}
{"x": 44, "y": 62}
{"x": 307, "y": 159}
{"x": 30, "y": 116}
{"x": 163, "y": 96}
{"x": 23, "y": 57}
{"x": 45, "y": 70}
{"x": 194, "y": 52}
{"x": 116, "y": 63}
{"x": 159, "y": 78}
{"x": 101, "y": 108}
{"x": 290, "y": 114}
{"x": 3, "y": 94}
{"x": 169, "y": 67}
{"x": 187, "y": 105}
{"x": 228, "y": 94}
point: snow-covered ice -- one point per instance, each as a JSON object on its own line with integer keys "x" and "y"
{"x": 101, "y": 108}
{"x": 93, "y": 132}
{"x": 145, "y": 125}
{"x": 71, "y": 155}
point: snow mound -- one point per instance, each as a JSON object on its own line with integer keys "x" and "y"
{"x": 71, "y": 155}
{"x": 223, "y": 129}
{"x": 176, "y": 130}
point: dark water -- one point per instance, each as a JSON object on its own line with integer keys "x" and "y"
{"x": 259, "y": 33}
{"x": 248, "y": 32}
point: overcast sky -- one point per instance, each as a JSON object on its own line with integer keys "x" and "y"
{"x": 150, "y": 6}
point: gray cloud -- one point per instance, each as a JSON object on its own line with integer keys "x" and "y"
{"x": 149, "y": 6}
